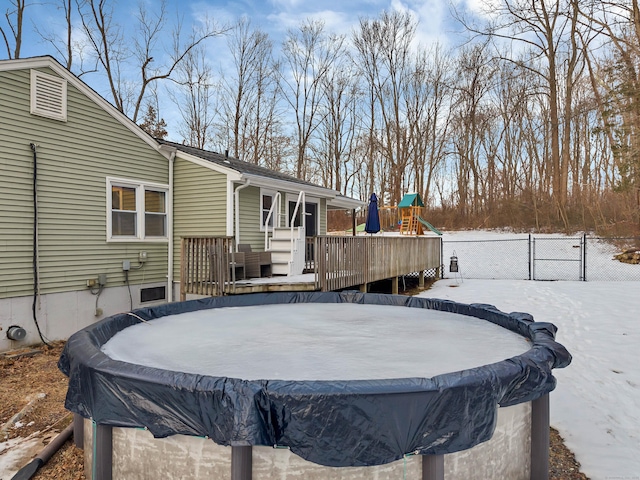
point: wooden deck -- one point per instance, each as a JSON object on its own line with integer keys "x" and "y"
{"x": 206, "y": 266}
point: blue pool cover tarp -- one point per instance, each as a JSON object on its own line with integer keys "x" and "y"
{"x": 332, "y": 423}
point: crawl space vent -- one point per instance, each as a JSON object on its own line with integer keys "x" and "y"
{"x": 152, "y": 294}
{"x": 48, "y": 96}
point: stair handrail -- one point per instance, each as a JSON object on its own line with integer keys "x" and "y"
{"x": 274, "y": 204}
{"x": 292, "y": 222}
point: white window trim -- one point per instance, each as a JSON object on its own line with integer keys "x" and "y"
{"x": 63, "y": 96}
{"x": 140, "y": 187}
{"x": 265, "y": 191}
{"x": 294, "y": 198}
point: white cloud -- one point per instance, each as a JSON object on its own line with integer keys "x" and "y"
{"x": 480, "y": 8}
{"x": 335, "y": 22}
{"x": 287, "y": 4}
{"x": 432, "y": 17}
{"x": 203, "y": 11}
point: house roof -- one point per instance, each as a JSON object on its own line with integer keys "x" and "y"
{"x": 270, "y": 177}
{"x": 411, "y": 200}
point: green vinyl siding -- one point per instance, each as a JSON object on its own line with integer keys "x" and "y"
{"x": 323, "y": 216}
{"x": 250, "y": 216}
{"x": 199, "y": 204}
{"x": 74, "y": 159}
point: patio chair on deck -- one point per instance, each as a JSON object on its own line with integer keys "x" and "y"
{"x": 235, "y": 261}
{"x": 257, "y": 264}
{"x": 237, "y": 265}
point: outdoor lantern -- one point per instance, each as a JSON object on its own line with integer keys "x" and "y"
{"x": 453, "y": 264}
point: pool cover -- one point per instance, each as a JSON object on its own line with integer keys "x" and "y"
{"x": 332, "y": 423}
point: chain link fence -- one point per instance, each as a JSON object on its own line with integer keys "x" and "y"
{"x": 580, "y": 258}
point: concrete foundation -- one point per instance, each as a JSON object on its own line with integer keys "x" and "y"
{"x": 138, "y": 456}
{"x": 506, "y": 456}
{"x": 62, "y": 314}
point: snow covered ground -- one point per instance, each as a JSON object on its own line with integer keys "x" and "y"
{"x": 596, "y": 406}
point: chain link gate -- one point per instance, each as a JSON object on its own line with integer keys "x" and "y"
{"x": 528, "y": 258}
{"x": 558, "y": 258}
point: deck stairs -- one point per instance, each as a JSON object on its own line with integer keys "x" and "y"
{"x": 287, "y": 250}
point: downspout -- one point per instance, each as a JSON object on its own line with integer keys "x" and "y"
{"x": 172, "y": 158}
{"x": 28, "y": 471}
{"x": 236, "y": 206}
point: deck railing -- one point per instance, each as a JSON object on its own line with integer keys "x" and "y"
{"x": 344, "y": 262}
{"x": 309, "y": 255}
{"x": 205, "y": 266}
{"x": 207, "y": 263}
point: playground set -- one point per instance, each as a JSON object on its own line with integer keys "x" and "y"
{"x": 406, "y": 215}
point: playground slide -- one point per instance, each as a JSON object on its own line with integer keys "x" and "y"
{"x": 428, "y": 225}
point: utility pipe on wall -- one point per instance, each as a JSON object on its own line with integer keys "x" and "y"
{"x": 172, "y": 158}
{"x": 236, "y": 201}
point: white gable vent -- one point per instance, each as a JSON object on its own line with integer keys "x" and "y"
{"x": 48, "y": 96}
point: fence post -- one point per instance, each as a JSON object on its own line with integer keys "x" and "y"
{"x": 241, "y": 462}
{"x": 102, "y": 468}
{"x": 530, "y": 260}
{"x": 540, "y": 438}
{"x": 441, "y": 259}
{"x": 584, "y": 257}
{"x": 432, "y": 467}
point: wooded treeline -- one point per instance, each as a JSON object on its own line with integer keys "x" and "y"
{"x": 531, "y": 122}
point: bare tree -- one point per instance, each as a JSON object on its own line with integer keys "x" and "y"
{"x": 384, "y": 48}
{"x": 248, "y": 97}
{"x": 336, "y": 135}
{"x": 118, "y": 54}
{"x": 615, "y": 80}
{"x": 64, "y": 47}
{"x": 195, "y": 98}
{"x": 12, "y": 33}
{"x": 368, "y": 60}
{"x": 471, "y": 123}
{"x": 429, "y": 114}
{"x": 308, "y": 53}
{"x": 547, "y": 29}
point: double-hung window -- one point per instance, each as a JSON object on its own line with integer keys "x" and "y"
{"x": 266, "y": 202}
{"x": 136, "y": 211}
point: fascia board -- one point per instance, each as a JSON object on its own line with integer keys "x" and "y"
{"x": 344, "y": 203}
{"x": 231, "y": 174}
{"x": 290, "y": 187}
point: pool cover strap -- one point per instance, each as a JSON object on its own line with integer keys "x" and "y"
{"x": 332, "y": 423}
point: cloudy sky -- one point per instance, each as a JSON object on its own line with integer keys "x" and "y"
{"x": 274, "y": 16}
{"x": 435, "y": 24}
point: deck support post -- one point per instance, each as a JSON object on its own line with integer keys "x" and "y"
{"x": 363, "y": 288}
{"x": 102, "y": 452}
{"x": 241, "y": 462}
{"x": 540, "y": 438}
{"x": 421, "y": 279}
{"x": 78, "y": 430}
{"x": 433, "y": 467}
{"x": 353, "y": 222}
{"x": 394, "y": 285}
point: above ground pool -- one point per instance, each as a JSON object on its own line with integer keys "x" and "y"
{"x": 306, "y": 382}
